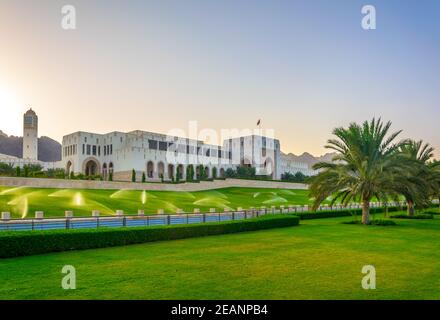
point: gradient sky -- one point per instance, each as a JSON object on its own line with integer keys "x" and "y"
{"x": 303, "y": 67}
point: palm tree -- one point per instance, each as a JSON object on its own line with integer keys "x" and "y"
{"x": 418, "y": 184}
{"x": 434, "y": 179}
{"x": 365, "y": 166}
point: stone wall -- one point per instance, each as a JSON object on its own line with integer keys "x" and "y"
{"x": 115, "y": 185}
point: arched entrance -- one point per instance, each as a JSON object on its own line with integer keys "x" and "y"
{"x": 150, "y": 169}
{"x": 91, "y": 167}
{"x": 69, "y": 168}
{"x": 180, "y": 170}
{"x": 104, "y": 171}
{"x": 170, "y": 171}
{"x": 161, "y": 170}
{"x": 268, "y": 167}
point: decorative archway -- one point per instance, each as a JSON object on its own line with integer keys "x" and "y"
{"x": 91, "y": 167}
{"x": 69, "y": 168}
{"x": 170, "y": 171}
{"x": 180, "y": 171}
{"x": 150, "y": 169}
{"x": 104, "y": 171}
{"x": 161, "y": 169}
{"x": 269, "y": 167}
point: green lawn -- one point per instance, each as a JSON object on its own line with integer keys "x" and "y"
{"x": 24, "y": 201}
{"x": 320, "y": 259}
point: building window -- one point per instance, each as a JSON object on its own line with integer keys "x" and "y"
{"x": 99, "y": 151}
{"x": 88, "y": 149}
{"x": 83, "y": 149}
{"x": 111, "y": 149}
{"x": 94, "y": 150}
{"x": 163, "y": 146}
{"x": 152, "y": 144}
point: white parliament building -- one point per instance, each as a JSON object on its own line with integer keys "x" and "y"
{"x": 163, "y": 156}
{"x": 156, "y": 155}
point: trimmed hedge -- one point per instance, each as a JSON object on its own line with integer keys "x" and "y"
{"x": 343, "y": 213}
{"x": 416, "y": 216}
{"x": 23, "y": 243}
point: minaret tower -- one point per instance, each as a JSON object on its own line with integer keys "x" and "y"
{"x": 30, "y": 135}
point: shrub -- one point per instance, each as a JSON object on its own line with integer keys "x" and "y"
{"x": 144, "y": 178}
{"x": 18, "y": 171}
{"x": 25, "y": 171}
{"x": 133, "y": 175}
{"x": 376, "y": 222}
{"x": 24, "y": 243}
{"x": 416, "y": 216}
{"x": 297, "y": 177}
{"x": 190, "y": 173}
{"x": 7, "y": 169}
{"x": 110, "y": 176}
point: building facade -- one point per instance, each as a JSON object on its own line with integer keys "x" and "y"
{"x": 166, "y": 157}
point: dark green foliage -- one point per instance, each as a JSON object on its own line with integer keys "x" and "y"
{"x": 56, "y": 173}
{"x": 342, "y": 213}
{"x": 144, "y": 178}
{"x": 18, "y": 171}
{"x": 376, "y": 222}
{"x": 26, "y": 171}
{"x": 24, "y": 243}
{"x": 416, "y": 216}
{"x": 190, "y": 173}
{"x": 7, "y": 169}
{"x": 297, "y": 177}
{"x": 241, "y": 172}
{"x": 110, "y": 176}
{"x": 214, "y": 173}
{"x": 133, "y": 175}
{"x": 382, "y": 222}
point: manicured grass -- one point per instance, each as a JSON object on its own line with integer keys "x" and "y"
{"x": 320, "y": 259}
{"x": 23, "y": 201}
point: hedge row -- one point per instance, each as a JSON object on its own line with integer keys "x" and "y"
{"x": 23, "y": 243}
{"x": 343, "y": 213}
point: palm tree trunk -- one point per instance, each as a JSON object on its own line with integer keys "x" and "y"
{"x": 410, "y": 208}
{"x": 366, "y": 212}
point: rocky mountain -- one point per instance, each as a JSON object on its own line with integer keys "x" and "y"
{"x": 308, "y": 158}
{"x": 49, "y": 150}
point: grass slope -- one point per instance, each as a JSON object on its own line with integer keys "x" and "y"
{"x": 320, "y": 259}
{"x": 23, "y": 201}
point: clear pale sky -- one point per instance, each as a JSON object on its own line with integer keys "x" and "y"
{"x": 303, "y": 67}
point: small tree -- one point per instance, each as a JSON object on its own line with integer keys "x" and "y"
{"x": 214, "y": 173}
{"x": 190, "y": 173}
{"x": 26, "y": 171}
{"x": 161, "y": 177}
{"x": 18, "y": 171}
{"x": 110, "y": 176}
{"x": 144, "y": 178}
{"x": 133, "y": 175}
{"x": 72, "y": 175}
